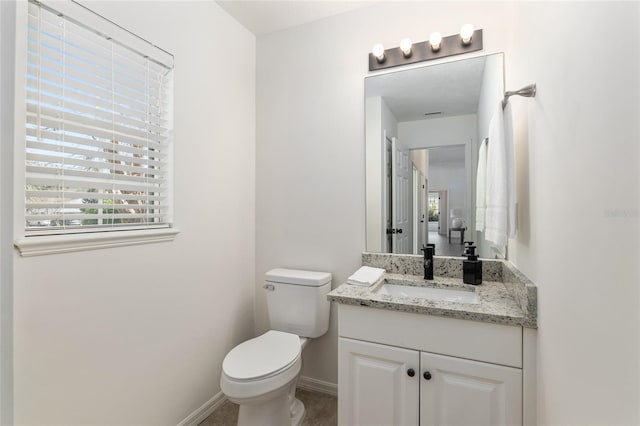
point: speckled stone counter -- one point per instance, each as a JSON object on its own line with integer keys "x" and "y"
{"x": 506, "y": 296}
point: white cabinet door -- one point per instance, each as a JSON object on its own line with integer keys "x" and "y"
{"x": 375, "y": 385}
{"x": 463, "y": 392}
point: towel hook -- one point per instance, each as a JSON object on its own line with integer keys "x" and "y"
{"x": 527, "y": 91}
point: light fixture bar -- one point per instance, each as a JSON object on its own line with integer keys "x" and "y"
{"x": 449, "y": 46}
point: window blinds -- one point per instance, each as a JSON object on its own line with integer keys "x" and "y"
{"x": 98, "y": 129}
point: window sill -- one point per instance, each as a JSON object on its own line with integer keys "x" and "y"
{"x": 55, "y": 244}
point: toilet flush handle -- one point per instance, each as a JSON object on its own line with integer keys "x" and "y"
{"x": 269, "y": 287}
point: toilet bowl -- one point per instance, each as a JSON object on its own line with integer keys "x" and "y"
{"x": 260, "y": 374}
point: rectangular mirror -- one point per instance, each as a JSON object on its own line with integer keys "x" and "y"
{"x": 423, "y": 130}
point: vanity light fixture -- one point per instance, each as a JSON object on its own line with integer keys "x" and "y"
{"x": 405, "y": 46}
{"x": 437, "y": 47}
{"x": 466, "y": 34}
{"x": 434, "y": 40}
{"x": 378, "y": 52}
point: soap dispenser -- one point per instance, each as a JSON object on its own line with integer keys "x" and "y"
{"x": 472, "y": 267}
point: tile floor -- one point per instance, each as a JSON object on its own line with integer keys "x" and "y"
{"x": 322, "y": 410}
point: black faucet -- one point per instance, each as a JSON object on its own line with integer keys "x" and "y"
{"x": 467, "y": 244}
{"x": 428, "y": 250}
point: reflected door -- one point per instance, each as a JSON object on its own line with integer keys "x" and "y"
{"x": 423, "y": 211}
{"x": 443, "y": 223}
{"x": 419, "y": 214}
{"x": 401, "y": 202}
{"x": 387, "y": 196}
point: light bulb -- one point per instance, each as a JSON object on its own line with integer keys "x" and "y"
{"x": 405, "y": 46}
{"x": 466, "y": 33}
{"x": 378, "y": 52}
{"x": 434, "y": 40}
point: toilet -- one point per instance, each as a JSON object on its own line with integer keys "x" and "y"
{"x": 260, "y": 374}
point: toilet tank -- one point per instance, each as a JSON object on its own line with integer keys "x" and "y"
{"x": 297, "y": 301}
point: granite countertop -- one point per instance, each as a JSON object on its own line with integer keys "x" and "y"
{"x": 512, "y": 301}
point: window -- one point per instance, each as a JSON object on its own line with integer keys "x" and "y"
{"x": 98, "y": 129}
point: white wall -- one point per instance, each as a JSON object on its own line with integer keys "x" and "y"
{"x": 137, "y": 335}
{"x": 420, "y": 158}
{"x": 310, "y": 190}
{"x": 491, "y": 95}
{"x": 431, "y": 132}
{"x": 389, "y": 121}
{"x": 310, "y": 193}
{"x": 577, "y": 166}
{"x": 380, "y": 125}
{"x": 7, "y": 83}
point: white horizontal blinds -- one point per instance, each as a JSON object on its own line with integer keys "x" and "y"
{"x": 98, "y": 125}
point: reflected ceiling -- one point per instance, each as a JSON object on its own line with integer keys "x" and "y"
{"x": 431, "y": 89}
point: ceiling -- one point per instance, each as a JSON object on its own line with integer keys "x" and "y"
{"x": 265, "y": 16}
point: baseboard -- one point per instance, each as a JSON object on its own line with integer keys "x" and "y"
{"x": 200, "y": 414}
{"x": 308, "y": 383}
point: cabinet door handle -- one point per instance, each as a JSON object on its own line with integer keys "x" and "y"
{"x": 411, "y": 372}
{"x": 427, "y": 375}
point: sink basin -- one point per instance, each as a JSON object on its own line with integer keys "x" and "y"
{"x": 430, "y": 293}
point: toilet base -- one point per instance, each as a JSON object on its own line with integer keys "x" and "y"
{"x": 297, "y": 412}
{"x": 276, "y": 408}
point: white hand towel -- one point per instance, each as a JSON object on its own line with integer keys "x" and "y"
{"x": 365, "y": 276}
{"x": 497, "y": 199}
{"x": 481, "y": 184}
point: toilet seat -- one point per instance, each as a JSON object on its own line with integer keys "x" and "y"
{"x": 262, "y": 365}
{"x": 261, "y": 357}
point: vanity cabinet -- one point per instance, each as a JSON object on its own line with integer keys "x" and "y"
{"x": 398, "y": 368}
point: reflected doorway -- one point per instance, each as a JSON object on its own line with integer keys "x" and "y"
{"x": 425, "y": 192}
{"x": 434, "y": 213}
{"x": 438, "y": 225}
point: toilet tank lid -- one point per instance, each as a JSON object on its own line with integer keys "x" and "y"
{"x": 299, "y": 277}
